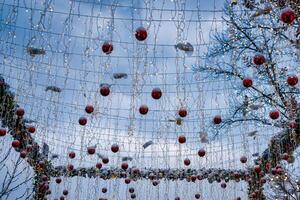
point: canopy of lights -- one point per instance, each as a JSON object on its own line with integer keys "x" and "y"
{"x": 152, "y": 99}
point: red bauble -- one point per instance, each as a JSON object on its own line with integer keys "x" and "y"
{"x": 223, "y": 185}
{"x": 141, "y": 34}
{"x": 156, "y": 93}
{"x": 201, "y": 153}
{"x": 23, "y": 154}
{"x": 16, "y": 143}
{"x": 91, "y": 150}
{"x": 72, "y": 155}
{"x": 124, "y": 166}
{"x": 257, "y": 169}
{"x": 133, "y": 196}
{"x": 107, "y": 47}
{"x": 70, "y": 167}
{"x": 105, "y": 160}
{"x": 31, "y": 129}
{"x": 287, "y": 16}
{"x": 104, "y": 90}
{"x": 89, "y": 108}
{"x": 82, "y": 121}
{"x": 29, "y": 148}
{"x": 20, "y": 112}
{"x": 293, "y": 124}
{"x": 285, "y": 156}
{"x": 131, "y": 190}
{"x": 61, "y": 198}
{"x": 181, "y": 139}
{"x": 259, "y": 59}
{"x": 114, "y": 148}
{"x": 65, "y": 192}
{"x": 155, "y": 183}
{"x": 274, "y": 114}
{"x": 187, "y": 162}
{"x": 292, "y": 80}
{"x": 243, "y": 159}
{"x": 98, "y": 165}
{"x": 45, "y": 178}
{"x": 217, "y": 119}
{"x": 182, "y": 112}
{"x": 197, "y": 196}
{"x": 2, "y": 132}
{"x": 127, "y": 180}
{"x": 104, "y": 190}
{"x": 144, "y": 109}
{"x": 247, "y": 82}
{"x": 58, "y": 180}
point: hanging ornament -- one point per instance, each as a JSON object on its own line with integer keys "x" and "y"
{"x": 23, "y": 154}
{"x": 114, "y": 148}
{"x": 247, "y": 82}
{"x": 2, "y": 132}
{"x": 141, "y": 34}
{"x": 243, "y": 159}
{"x": 223, "y": 185}
{"x": 107, "y": 47}
{"x": 89, "y": 109}
{"x": 257, "y": 169}
{"x": 274, "y": 114}
{"x": 72, "y": 154}
{"x": 287, "y": 16}
{"x": 259, "y": 59}
{"x": 156, "y": 93}
{"x": 82, "y": 121}
{"x": 104, "y": 90}
{"x": 182, "y": 112}
{"x": 65, "y": 192}
{"x": 217, "y": 119}
{"x": 31, "y": 129}
{"x": 16, "y": 143}
{"x": 292, "y": 80}
{"x": 91, "y": 150}
{"x": 187, "y": 162}
{"x": 124, "y": 166}
{"x": 201, "y": 152}
{"x": 143, "y": 109}
{"x": 20, "y": 112}
{"x": 181, "y": 139}
{"x": 131, "y": 190}
{"x": 105, "y": 160}
{"x": 98, "y": 165}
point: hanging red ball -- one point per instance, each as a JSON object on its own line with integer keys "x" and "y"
{"x": 91, "y": 150}
{"x": 2, "y": 132}
{"x": 197, "y": 196}
{"x": 29, "y": 148}
{"x": 156, "y": 93}
{"x": 285, "y": 156}
{"x": 141, "y": 34}
{"x": 133, "y": 196}
{"x": 70, "y": 167}
{"x": 105, "y": 160}
{"x": 259, "y": 59}
{"x": 104, "y": 190}
{"x": 58, "y": 180}
{"x": 98, "y": 165}
{"x": 114, "y": 148}
{"x": 181, "y": 139}
{"x": 217, "y": 119}
{"x": 247, "y": 82}
{"x": 31, "y": 129}
{"x": 89, "y": 109}
{"x": 124, "y": 166}
{"x": 127, "y": 180}
{"x": 16, "y": 143}
{"x": 144, "y": 109}
{"x": 257, "y": 169}
{"x": 131, "y": 190}
{"x": 72, "y": 154}
{"x": 223, "y": 185}
{"x": 82, "y": 121}
{"x": 182, "y": 112}
{"x": 65, "y": 192}
{"x": 274, "y": 114}
{"x": 23, "y": 154}
{"x": 104, "y": 90}
{"x": 287, "y": 16}
{"x": 201, "y": 153}
{"x": 107, "y": 47}
{"x": 292, "y": 80}
{"x": 20, "y": 112}
{"x": 187, "y": 162}
{"x": 243, "y": 159}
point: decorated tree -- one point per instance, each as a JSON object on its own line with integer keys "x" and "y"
{"x": 259, "y": 51}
